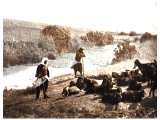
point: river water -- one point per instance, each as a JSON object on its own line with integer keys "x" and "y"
{"x": 22, "y": 76}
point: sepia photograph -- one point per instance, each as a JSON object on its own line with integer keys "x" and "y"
{"x": 79, "y": 59}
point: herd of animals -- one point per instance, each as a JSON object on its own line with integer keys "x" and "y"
{"x": 110, "y": 87}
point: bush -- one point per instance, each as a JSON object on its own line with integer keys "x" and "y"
{"x": 132, "y": 33}
{"x": 84, "y": 38}
{"x": 122, "y": 33}
{"x": 148, "y": 36}
{"x": 51, "y": 56}
{"x": 60, "y": 36}
{"x": 16, "y": 53}
{"x": 100, "y": 38}
{"x": 125, "y": 51}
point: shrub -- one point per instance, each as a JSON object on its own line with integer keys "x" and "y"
{"x": 51, "y": 56}
{"x": 132, "y": 33}
{"x": 125, "y": 51}
{"x": 60, "y": 36}
{"x": 122, "y": 33}
{"x": 16, "y": 53}
{"x": 100, "y": 38}
{"x": 83, "y": 38}
{"x": 148, "y": 36}
{"x": 77, "y": 42}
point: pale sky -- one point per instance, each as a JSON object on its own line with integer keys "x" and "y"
{"x": 108, "y": 15}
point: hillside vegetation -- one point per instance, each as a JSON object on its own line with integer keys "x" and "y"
{"x": 100, "y": 38}
{"x": 26, "y": 42}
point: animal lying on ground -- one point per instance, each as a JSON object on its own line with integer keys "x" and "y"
{"x": 106, "y": 85}
{"x": 135, "y": 75}
{"x": 121, "y": 78}
{"x": 80, "y": 83}
{"x": 113, "y": 98}
{"x": 117, "y": 89}
{"x": 116, "y": 75}
{"x": 95, "y": 86}
{"x": 125, "y": 74}
{"x": 70, "y": 91}
{"x": 122, "y": 81}
{"x": 133, "y": 85}
{"x": 92, "y": 86}
{"x": 133, "y": 96}
{"x": 89, "y": 85}
{"x": 72, "y": 83}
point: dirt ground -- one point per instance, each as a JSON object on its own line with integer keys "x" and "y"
{"x": 19, "y": 105}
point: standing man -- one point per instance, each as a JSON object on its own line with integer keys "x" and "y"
{"x": 42, "y": 73}
{"x": 79, "y": 55}
{"x": 77, "y": 65}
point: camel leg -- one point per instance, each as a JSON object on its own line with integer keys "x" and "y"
{"x": 148, "y": 82}
{"x": 116, "y": 106}
{"x": 75, "y": 73}
{"x": 81, "y": 73}
{"x": 150, "y": 92}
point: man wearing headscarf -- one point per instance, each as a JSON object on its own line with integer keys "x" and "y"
{"x": 42, "y": 74}
{"x": 78, "y": 57}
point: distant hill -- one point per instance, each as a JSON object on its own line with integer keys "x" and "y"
{"x": 24, "y": 30}
{"x": 20, "y": 23}
{"x": 20, "y": 30}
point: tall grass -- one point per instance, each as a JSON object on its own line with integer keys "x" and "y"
{"x": 25, "y": 52}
